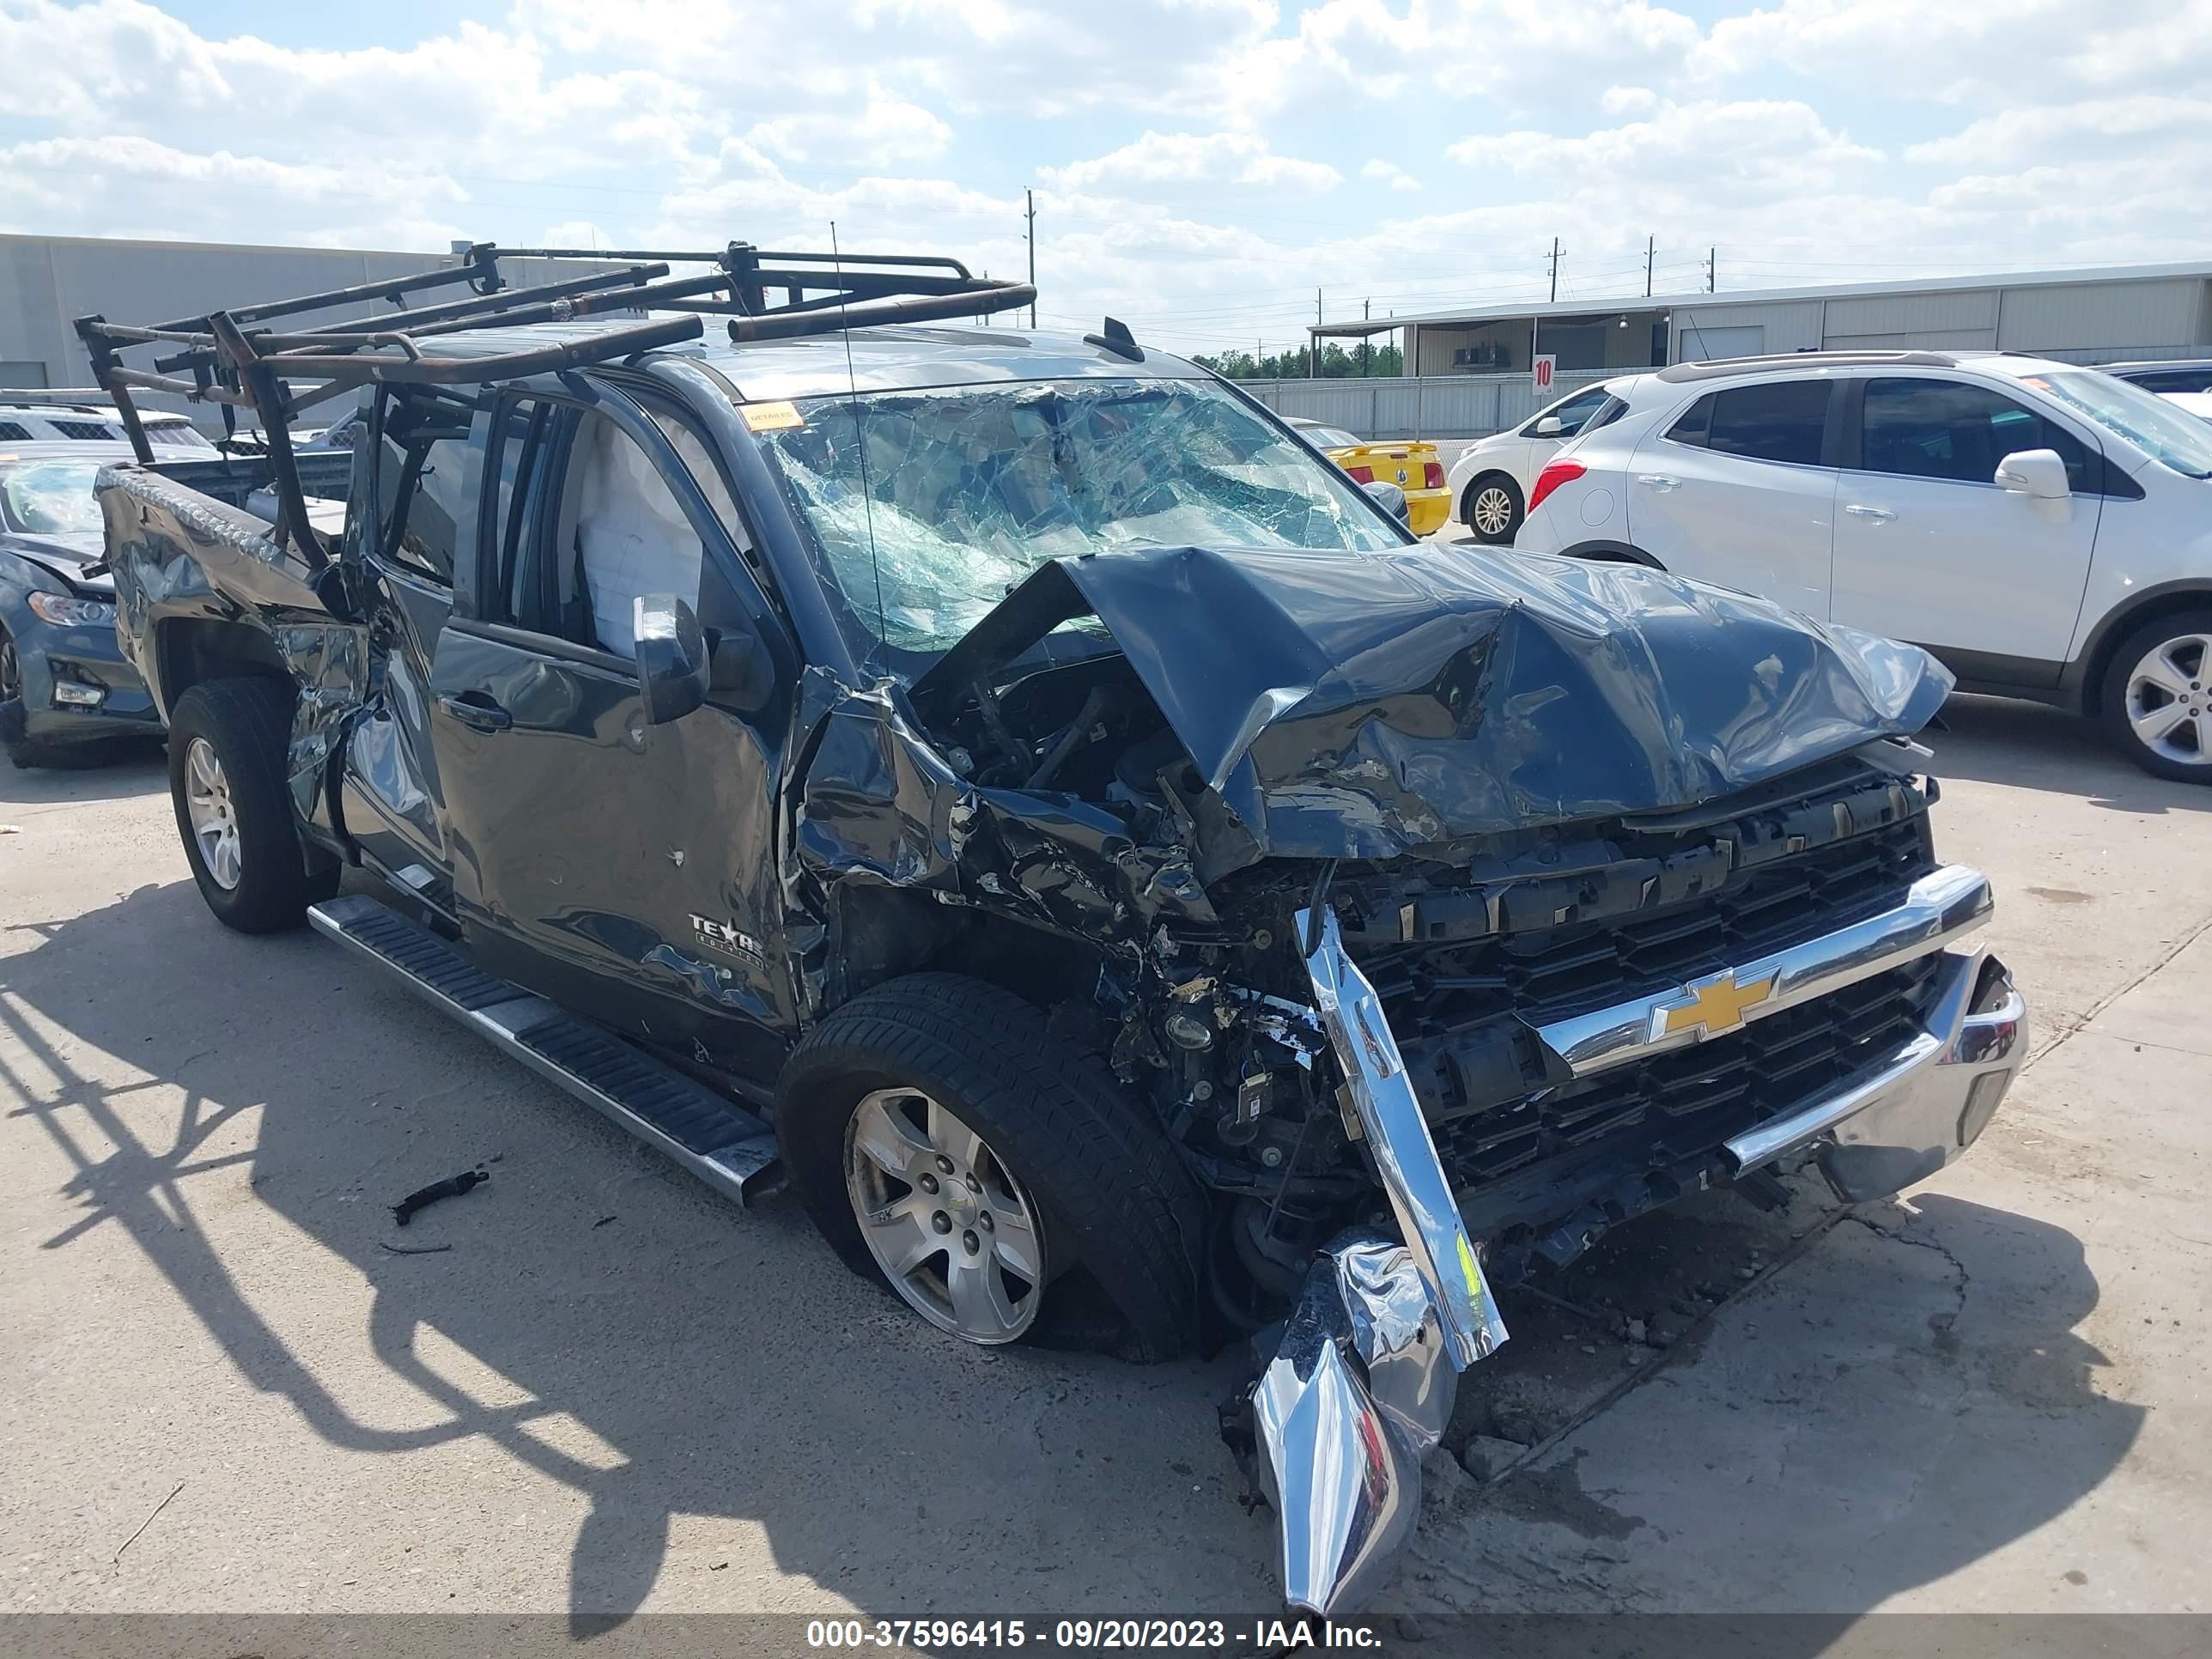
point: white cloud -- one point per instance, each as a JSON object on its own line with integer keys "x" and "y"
{"x": 1746, "y": 146}
{"x": 1191, "y": 158}
{"x": 887, "y": 130}
{"x": 2096, "y": 128}
{"x": 1966, "y": 52}
{"x": 1202, "y": 143}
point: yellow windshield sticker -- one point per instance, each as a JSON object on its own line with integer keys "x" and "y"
{"x": 771, "y": 417}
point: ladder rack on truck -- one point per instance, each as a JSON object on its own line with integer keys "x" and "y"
{"x": 234, "y": 358}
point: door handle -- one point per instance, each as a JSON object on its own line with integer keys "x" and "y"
{"x": 476, "y": 711}
{"x": 1872, "y": 514}
{"x": 1662, "y": 481}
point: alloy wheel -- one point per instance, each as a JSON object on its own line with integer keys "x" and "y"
{"x": 1493, "y": 510}
{"x": 2169, "y": 700}
{"x": 214, "y": 821}
{"x": 11, "y": 674}
{"x": 952, "y": 1228}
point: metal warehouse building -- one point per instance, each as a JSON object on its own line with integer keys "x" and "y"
{"x": 1467, "y": 371}
{"x": 47, "y": 282}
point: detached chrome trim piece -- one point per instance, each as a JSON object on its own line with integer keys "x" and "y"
{"x": 1942, "y": 906}
{"x": 1405, "y": 1156}
{"x": 1357, "y": 1392}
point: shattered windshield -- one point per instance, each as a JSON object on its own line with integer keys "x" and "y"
{"x": 926, "y": 508}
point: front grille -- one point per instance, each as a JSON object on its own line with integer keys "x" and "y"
{"x": 1687, "y": 1101}
{"x": 1551, "y": 973}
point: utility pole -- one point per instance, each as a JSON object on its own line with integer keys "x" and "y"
{"x": 1366, "y": 341}
{"x": 1313, "y": 341}
{"x": 1713, "y": 270}
{"x": 1028, "y": 203}
{"x": 1555, "y": 270}
{"x": 1650, "y": 248}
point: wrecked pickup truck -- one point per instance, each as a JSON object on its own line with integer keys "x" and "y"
{"x": 1015, "y": 789}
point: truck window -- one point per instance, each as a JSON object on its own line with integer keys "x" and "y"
{"x": 420, "y": 470}
{"x": 617, "y": 531}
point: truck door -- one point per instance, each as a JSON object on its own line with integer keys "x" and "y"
{"x": 627, "y": 871}
{"x": 419, "y": 463}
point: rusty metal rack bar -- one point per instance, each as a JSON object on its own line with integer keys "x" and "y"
{"x": 231, "y": 357}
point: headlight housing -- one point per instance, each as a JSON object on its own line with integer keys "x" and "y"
{"x": 66, "y": 610}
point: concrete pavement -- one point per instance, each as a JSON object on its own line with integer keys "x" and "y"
{"x": 614, "y": 1392}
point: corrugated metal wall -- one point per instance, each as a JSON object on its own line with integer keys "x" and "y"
{"x": 1784, "y": 326}
{"x": 2103, "y": 315}
{"x": 1434, "y": 406}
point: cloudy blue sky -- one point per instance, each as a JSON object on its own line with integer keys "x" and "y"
{"x": 1200, "y": 166}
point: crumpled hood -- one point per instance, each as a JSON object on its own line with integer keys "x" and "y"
{"x": 62, "y": 556}
{"x": 1361, "y": 705}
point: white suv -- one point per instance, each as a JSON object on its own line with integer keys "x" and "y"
{"x": 1491, "y": 478}
{"x": 2045, "y": 529}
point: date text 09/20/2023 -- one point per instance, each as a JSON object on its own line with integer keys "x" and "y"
{"x": 1257, "y": 1634}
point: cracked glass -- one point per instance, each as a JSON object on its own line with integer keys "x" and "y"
{"x": 925, "y": 509}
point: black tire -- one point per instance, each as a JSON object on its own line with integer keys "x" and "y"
{"x": 21, "y": 751}
{"x": 1123, "y": 1220}
{"x": 2117, "y": 710}
{"x": 1503, "y": 485}
{"x": 248, "y": 723}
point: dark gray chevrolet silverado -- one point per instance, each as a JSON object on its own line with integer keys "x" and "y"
{"x": 1014, "y": 789}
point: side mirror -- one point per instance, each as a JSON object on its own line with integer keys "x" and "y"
{"x": 672, "y": 657}
{"x": 1548, "y": 427}
{"x": 1389, "y": 498}
{"x": 2036, "y": 473}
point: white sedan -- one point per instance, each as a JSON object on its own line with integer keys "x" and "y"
{"x": 1491, "y": 480}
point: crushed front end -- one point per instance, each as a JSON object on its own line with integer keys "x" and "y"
{"x": 1457, "y": 913}
{"x": 1560, "y": 1042}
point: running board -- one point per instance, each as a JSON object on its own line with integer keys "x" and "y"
{"x": 724, "y": 1145}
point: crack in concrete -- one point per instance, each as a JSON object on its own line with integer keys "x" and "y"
{"x": 2075, "y": 1026}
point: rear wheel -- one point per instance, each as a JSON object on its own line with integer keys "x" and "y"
{"x": 992, "y": 1173}
{"x": 227, "y": 746}
{"x": 1492, "y": 509}
{"x": 2157, "y": 696}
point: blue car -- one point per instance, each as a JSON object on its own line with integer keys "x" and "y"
{"x": 64, "y": 687}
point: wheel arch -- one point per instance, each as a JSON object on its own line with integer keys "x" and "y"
{"x": 189, "y": 650}
{"x": 1484, "y": 475}
{"x": 2084, "y": 678}
{"x": 1606, "y": 551}
{"x": 882, "y": 933}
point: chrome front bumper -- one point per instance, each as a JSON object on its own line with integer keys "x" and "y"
{"x": 1360, "y": 1382}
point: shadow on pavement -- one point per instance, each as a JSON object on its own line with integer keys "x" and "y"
{"x": 140, "y": 768}
{"x": 2030, "y": 746}
{"x": 620, "y": 1330}
{"x": 602, "y": 1321}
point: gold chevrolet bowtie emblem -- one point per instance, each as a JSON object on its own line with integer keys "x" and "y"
{"x": 1719, "y": 1004}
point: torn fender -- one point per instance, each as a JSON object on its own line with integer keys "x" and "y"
{"x": 879, "y": 803}
{"x": 1345, "y": 705}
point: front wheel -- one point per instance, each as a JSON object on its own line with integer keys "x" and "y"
{"x": 991, "y": 1173}
{"x": 1492, "y": 509}
{"x": 227, "y": 746}
{"x": 2157, "y": 697}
